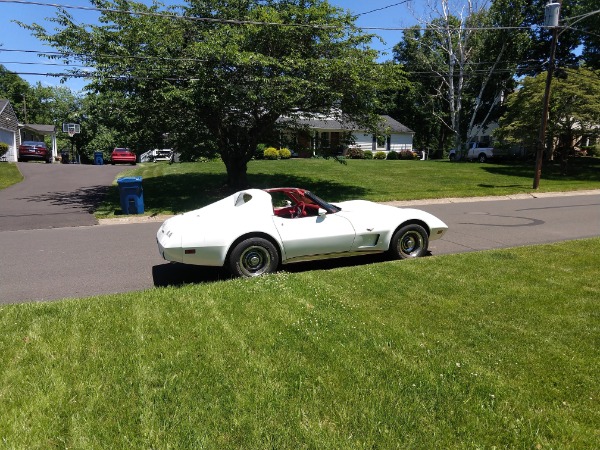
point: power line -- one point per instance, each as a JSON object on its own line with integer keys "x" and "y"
{"x": 381, "y": 9}
{"x": 248, "y": 22}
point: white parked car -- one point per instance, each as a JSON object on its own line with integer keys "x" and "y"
{"x": 253, "y": 231}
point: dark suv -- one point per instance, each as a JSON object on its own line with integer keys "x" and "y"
{"x": 34, "y": 150}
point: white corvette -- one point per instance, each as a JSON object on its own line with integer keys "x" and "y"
{"x": 252, "y": 232}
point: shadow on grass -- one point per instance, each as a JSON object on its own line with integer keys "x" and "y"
{"x": 578, "y": 169}
{"x": 176, "y": 274}
{"x": 184, "y": 192}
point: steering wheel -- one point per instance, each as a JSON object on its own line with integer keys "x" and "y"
{"x": 299, "y": 209}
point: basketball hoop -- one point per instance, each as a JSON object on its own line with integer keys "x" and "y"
{"x": 71, "y": 128}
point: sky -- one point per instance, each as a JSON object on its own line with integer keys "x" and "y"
{"x": 17, "y": 44}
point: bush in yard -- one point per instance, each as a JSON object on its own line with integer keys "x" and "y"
{"x": 355, "y": 153}
{"x": 592, "y": 150}
{"x": 392, "y": 155}
{"x": 284, "y": 153}
{"x": 379, "y": 155}
{"x": 408, "y": 155}
{"x": 368, "y": 154}
{"x": 3, "y": 148}
{"x": 271, "y": 153}
{"x": 260, "y": 151}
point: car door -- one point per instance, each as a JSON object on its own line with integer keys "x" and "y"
{"x": 308, "y": 236}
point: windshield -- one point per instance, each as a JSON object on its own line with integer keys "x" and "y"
{"x": 325, "y": 205}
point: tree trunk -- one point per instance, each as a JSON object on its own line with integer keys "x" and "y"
{"x": 237, "y": 172}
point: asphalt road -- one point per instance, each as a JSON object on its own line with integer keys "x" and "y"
{"x": 81, "y": 261}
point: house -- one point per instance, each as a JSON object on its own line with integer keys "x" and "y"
{"x": 36, "y": 132}
{"x": 329, "y": 132}
{"x": 13, "y": 133}
{"x": 9, "y": 130}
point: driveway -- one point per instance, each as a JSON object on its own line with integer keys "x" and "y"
{"x": 55, "y": 195}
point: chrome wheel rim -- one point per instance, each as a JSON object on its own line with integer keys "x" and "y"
{"x": 410, "y": 243}
{"x": 255, "y": 260}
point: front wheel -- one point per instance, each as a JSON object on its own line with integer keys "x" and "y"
{"x": 410, "y": 241}
{"x": 253, "y": 257}
{"x": 482, "y": 158}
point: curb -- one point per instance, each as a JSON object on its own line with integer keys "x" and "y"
{"x": 441, "y": 201}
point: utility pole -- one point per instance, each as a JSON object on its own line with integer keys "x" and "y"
{"x": 550, "y": 21}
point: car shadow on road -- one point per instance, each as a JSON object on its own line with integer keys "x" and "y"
{"x": 176, "y": 274}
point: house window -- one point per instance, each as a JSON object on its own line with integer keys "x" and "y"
{"x": 325, "y": 139}
{"x": 382, "y": 142}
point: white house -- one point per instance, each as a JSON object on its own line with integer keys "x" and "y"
{"x": 13, "y": 133}
{"x": 9, "y": 130}
{"x": 333, "y": 133}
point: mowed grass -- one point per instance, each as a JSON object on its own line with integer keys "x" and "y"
{"x": 425, "y": 353}
{"x": 181, "y": 187}
{"x": 9, "y": 175}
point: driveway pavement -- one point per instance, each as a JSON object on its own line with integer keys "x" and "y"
{"x": 55, "y": 195}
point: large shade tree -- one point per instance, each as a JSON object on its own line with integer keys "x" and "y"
{"x": 219, "y": 74}
{"x": 462, "y": 60}
{"x": 574, "y": 112}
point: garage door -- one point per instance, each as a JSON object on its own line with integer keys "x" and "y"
{"x": 9, "y": 138}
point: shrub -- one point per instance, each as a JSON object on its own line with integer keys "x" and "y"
{"x": 260, "y": 151}
{"x": 271, "y": 153}
{"x": 392, "y": 156}
{"x": 407, "y": 154}
{"x": 3, "y": 148}
{"x": 368, "y": 154}
{"x": 592, "y": 150}
{"x": 355, "y": 153}
{"x": 284, "y": 153}
{"x": 379, "y": 155}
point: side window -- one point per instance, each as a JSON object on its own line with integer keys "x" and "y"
{"x": 279, "y": 200}
{"x": 242, "y": 199}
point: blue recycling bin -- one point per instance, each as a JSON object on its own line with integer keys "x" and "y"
{"x": 98, "y": 158}
{"x": 131, "y": 195}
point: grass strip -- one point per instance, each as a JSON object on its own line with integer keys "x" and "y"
{"x": 9, "y": 175}
{"x": 425, "y": 353}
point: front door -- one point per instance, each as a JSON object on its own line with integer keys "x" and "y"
{"x": 308, "y": 236}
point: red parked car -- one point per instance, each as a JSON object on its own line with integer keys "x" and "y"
{"x": 122, "y": 155}
{"x": 34, "y": 150}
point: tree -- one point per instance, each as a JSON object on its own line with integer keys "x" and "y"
{"x": 14, "y": 89}
{"x": 574, "y": 111}
{"x": 462, "y": 61}
{"x": 222, "y": 73}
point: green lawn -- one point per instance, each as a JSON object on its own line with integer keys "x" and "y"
{"x": 181, "y": 187}
{"x": 424, "y": 353}
{"x": 9, "y": 175}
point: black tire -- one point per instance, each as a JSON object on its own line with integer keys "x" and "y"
{"x": 452, "y": 157}
{"x": 253, "y": 257}
{"x": 482, "y": 158}
{"x": 410, "y": 241}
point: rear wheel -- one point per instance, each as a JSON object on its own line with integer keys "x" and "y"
{"x": 253, "y": 257}
{"x": 482, "y": 158}
{"x": 410, "y": 241}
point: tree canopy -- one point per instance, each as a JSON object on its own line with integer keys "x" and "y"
{"x": 574, "y": 111}
{"x": 218, "y": 74}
